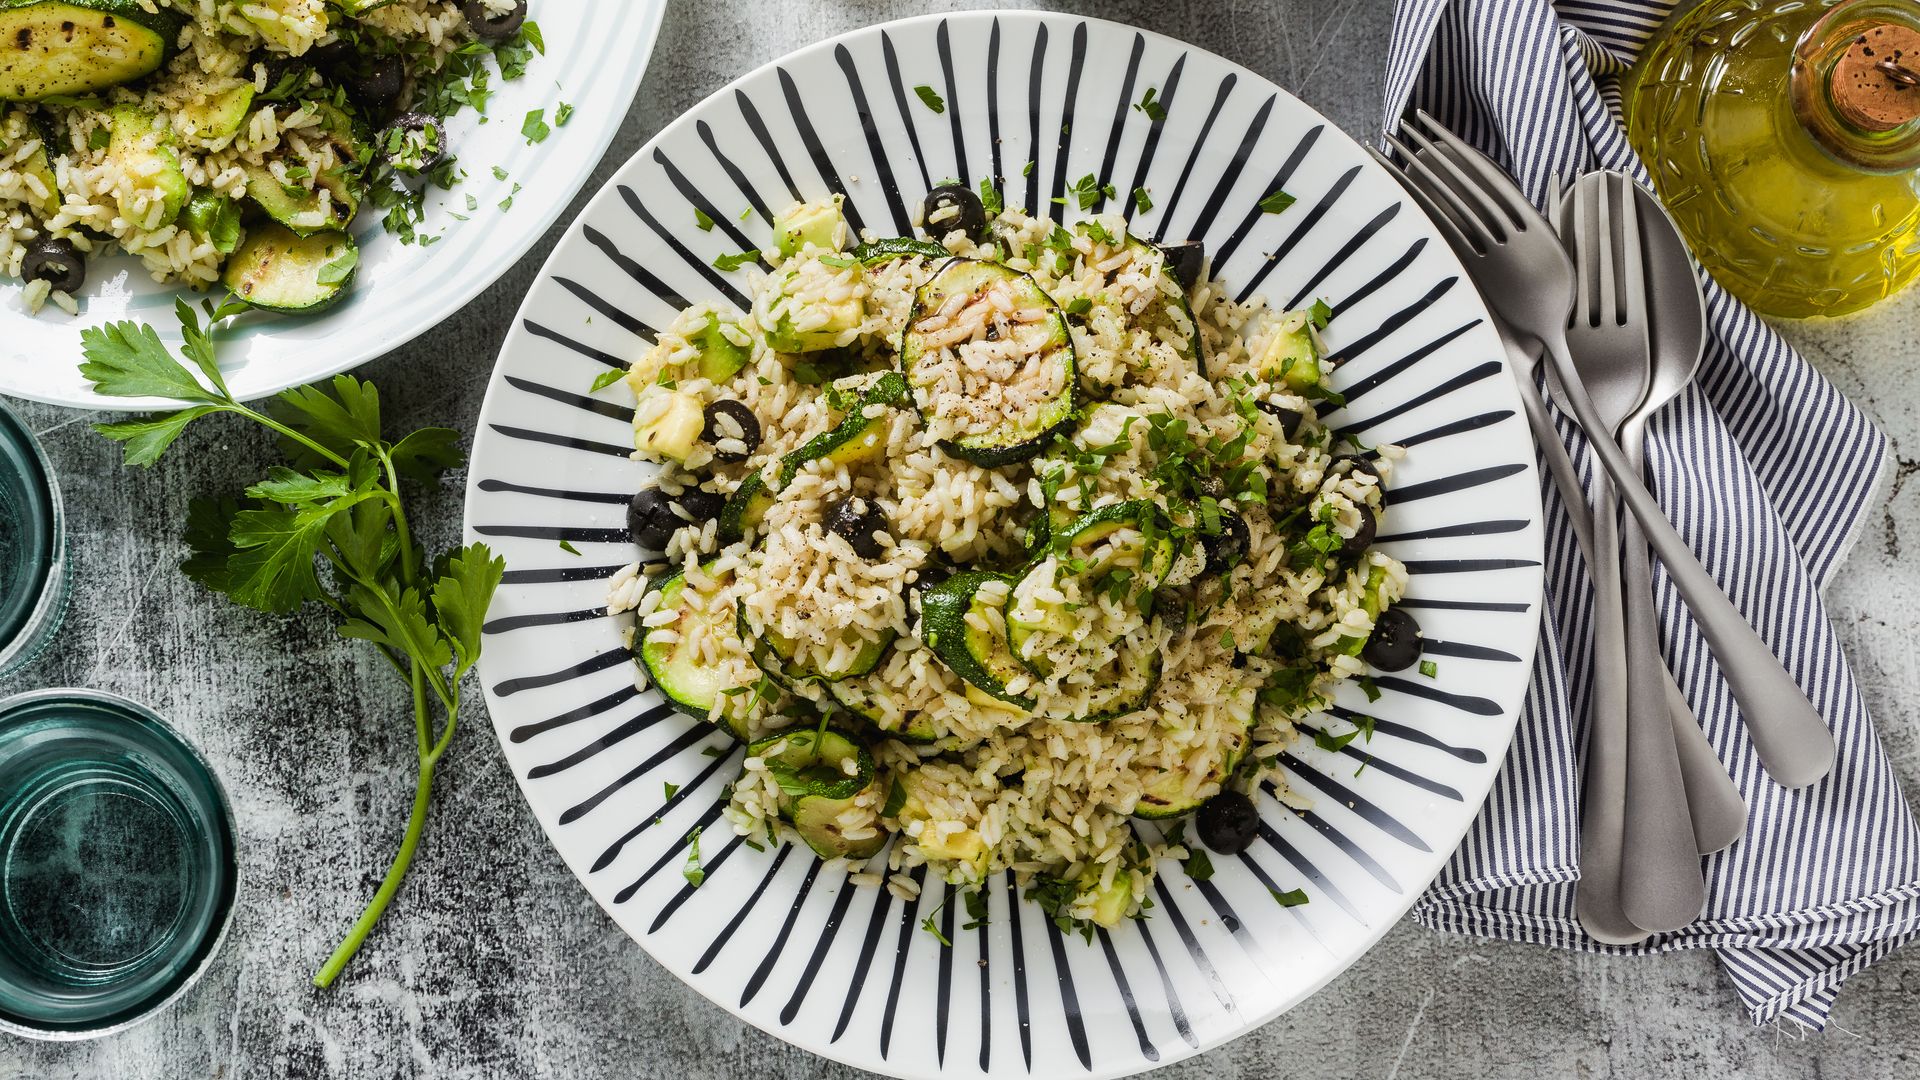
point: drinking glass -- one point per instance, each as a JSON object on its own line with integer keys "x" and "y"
{"x": 117, "y": 864}
{"x": 33, "y": 579}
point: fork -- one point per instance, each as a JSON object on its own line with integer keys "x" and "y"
{"x": 1660, "y": 884}
{"x": 1526, "y": 276}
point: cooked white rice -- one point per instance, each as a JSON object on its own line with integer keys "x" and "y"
{"x": 224, "y": 45}
{"x": 986, "y": 786}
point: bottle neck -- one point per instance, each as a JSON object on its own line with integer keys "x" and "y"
{"x": 1855, "y": 84}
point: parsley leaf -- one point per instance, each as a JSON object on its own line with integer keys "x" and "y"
{"x": 1142, "y": 202}
{"x": 561, "y": 114}
{"x": 606, "y": 378}
{"x": 931, "y": 99}
{"x": 672, "y": 789}
{"x": 567, "y": 546}
{"x": 1290, "y": 898}
{"x": 1199, "y": 865}
{"x": 701, "y": 219}
{"x": 1319, "y": 314}
{"x": 535, "y": 128}
{"x": 990, "y": 200}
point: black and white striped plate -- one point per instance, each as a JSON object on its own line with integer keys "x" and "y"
{"x": 619, "y": 781}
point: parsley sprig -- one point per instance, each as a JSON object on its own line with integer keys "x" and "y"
{"x": 336, "y": 505}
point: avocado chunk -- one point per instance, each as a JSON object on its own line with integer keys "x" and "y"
{"x": 271, "y": 19}
{"x": 213, "y": 218}
{"x": 720, "y": 359}
{"x": 51, "y": 48}
{"x": 814, "y": 223}
{"x": 1291, "y": 357}
{"x": 141, "y": 144}
{"x": 16, "y": 130}
{"x": 667, "y": 423}
{"x": 842, "y": 318}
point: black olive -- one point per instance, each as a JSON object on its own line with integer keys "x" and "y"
{"x": 858, "y": 521}
{"x": 652, "y": 520}
{"x": 1358, "y": 464}
{"x": 1227, "y": 547}
{"x": 1185, "y": 261}
{"x": 56, "y": 262}
{"x": 488, "y": 27}
{"x": 1290, "y": 419}
{"x": 1394, "y": 644}
{"x": 925, "y": 578}
{"x": 738, "y": 416}
{"x": 1228, "y": 823}
{"x": 962, "y": 210}
{"x": 1362, "y": 538}
{"x": 376, "y": 85}
{"x": 414, "y": 142}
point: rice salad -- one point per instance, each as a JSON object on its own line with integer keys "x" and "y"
{"x": 230, "y": 144}
{"x": 993, "y": 546}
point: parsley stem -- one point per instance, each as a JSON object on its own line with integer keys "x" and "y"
{"x": 357, "y": 936}
{"x": 283, "y": 429}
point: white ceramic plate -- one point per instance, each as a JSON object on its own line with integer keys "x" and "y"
{"x": 595, "y": 57}
{"x": 848, "y": 972}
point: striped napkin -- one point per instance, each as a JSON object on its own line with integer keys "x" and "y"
{"x": 1768, "y": 472}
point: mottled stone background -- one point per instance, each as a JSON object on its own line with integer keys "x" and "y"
{"x": 495, "y": 964}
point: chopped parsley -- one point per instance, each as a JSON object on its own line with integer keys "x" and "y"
{"x": 672, "y": 789}
{"x": 1290, "y": 898}
{"x": 1365, "y": 682}
{"x": 1027, "y": 169}
{"x": 1142, "y": 202}
{"x": 535, "y": 127}
{"x": 561, "y": 114}
{"x": 931, "y": 99}
{"x": 1319, "y": 314}
{"x": 933, "y": 928}
{"x": 713, "y": 751}
{"x": 691, "y": 869}
{"x": 607, "y": 378}
{"x": 1276, "y": 202}
{"x": 976, "y": 902}
{"x": 701, "y": 219}
{"x": 340, "y": 267}
{"x": 1199, "y": 865}
{"x": 1155, "y": 111}
{"x": 567, "y": 546}
{"x": 1333, "y": 744}
{"x": 990, "y": 200}
{"x": 1430, "y": 669}
{"x": 735, "y": 262}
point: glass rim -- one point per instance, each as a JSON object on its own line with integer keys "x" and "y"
{"x": 208, "y": 946}
{"x": 43, "y": 618}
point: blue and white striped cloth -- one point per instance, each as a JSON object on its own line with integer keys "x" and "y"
{"x": 1767, "y": 471}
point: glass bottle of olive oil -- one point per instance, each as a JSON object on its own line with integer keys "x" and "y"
{"x": 1785, "y": 139}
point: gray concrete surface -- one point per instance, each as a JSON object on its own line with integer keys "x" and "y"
{"x": 495, "y": 964}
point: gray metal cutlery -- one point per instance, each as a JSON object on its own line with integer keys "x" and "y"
{"x": 1622, "y": 324}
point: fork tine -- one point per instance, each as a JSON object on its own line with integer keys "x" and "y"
{"x": 1633, "y": 285}
{"x": 1582, "y": 255}
{"x": 1492, "y": 180}
{"x": 1465, "y": 189}
{"x": 1442, "y": 217}
{"x": 1420, "y": 172}
{"x": 1608, "y": 274}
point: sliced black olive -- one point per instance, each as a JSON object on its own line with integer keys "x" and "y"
{"x": 1226, "y": 548}
{"x": 1186, "y": 261}
{"x": 1395, "y": 642}
{"x": 925, "y": 578}
{"x": 1228, "y": 823}
{"x": 414, "y": 142}
{"x": 1362, "y": 537}
{"x": 1358, "y": 463}
{"x": 375, "y": 86}
{"x": 954, "y": 206}
{"x": 1290, "y": 419}
{"x": 652, "y": 519}
{"x": 57, "y": 262}
{"x": 728, "y": 419}
{"x": 488, "y": 27}
{"x": 858, "y": 521}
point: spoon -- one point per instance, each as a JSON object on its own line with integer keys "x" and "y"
{"x": 1678, "y": 334}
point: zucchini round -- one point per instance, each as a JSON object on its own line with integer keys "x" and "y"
{"x": 898, "y": 247}
{"x": 278, "y": 270}
{"x": 51, "y": 48}
{"x": 1022, "y": 324}
{"x": 689, "y": 685}
{"x": 811, "y": 767}
{"x": 857, "y": 438}
{"x": 981, "y": 657}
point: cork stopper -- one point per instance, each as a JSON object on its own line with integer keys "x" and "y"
{"x": 1875, "y": 84}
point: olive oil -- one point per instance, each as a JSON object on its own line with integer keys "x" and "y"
{"x": 1784, "y": 139}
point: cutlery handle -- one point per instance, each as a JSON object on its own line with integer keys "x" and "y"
{"x": 1603, "y": 802}
{"x": 1660, "y": 884}
{"x": 1793, "y": 742}
{"x": 1713, "y": 802}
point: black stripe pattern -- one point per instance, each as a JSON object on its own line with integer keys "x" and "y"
{"x": 634, "y": 793}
